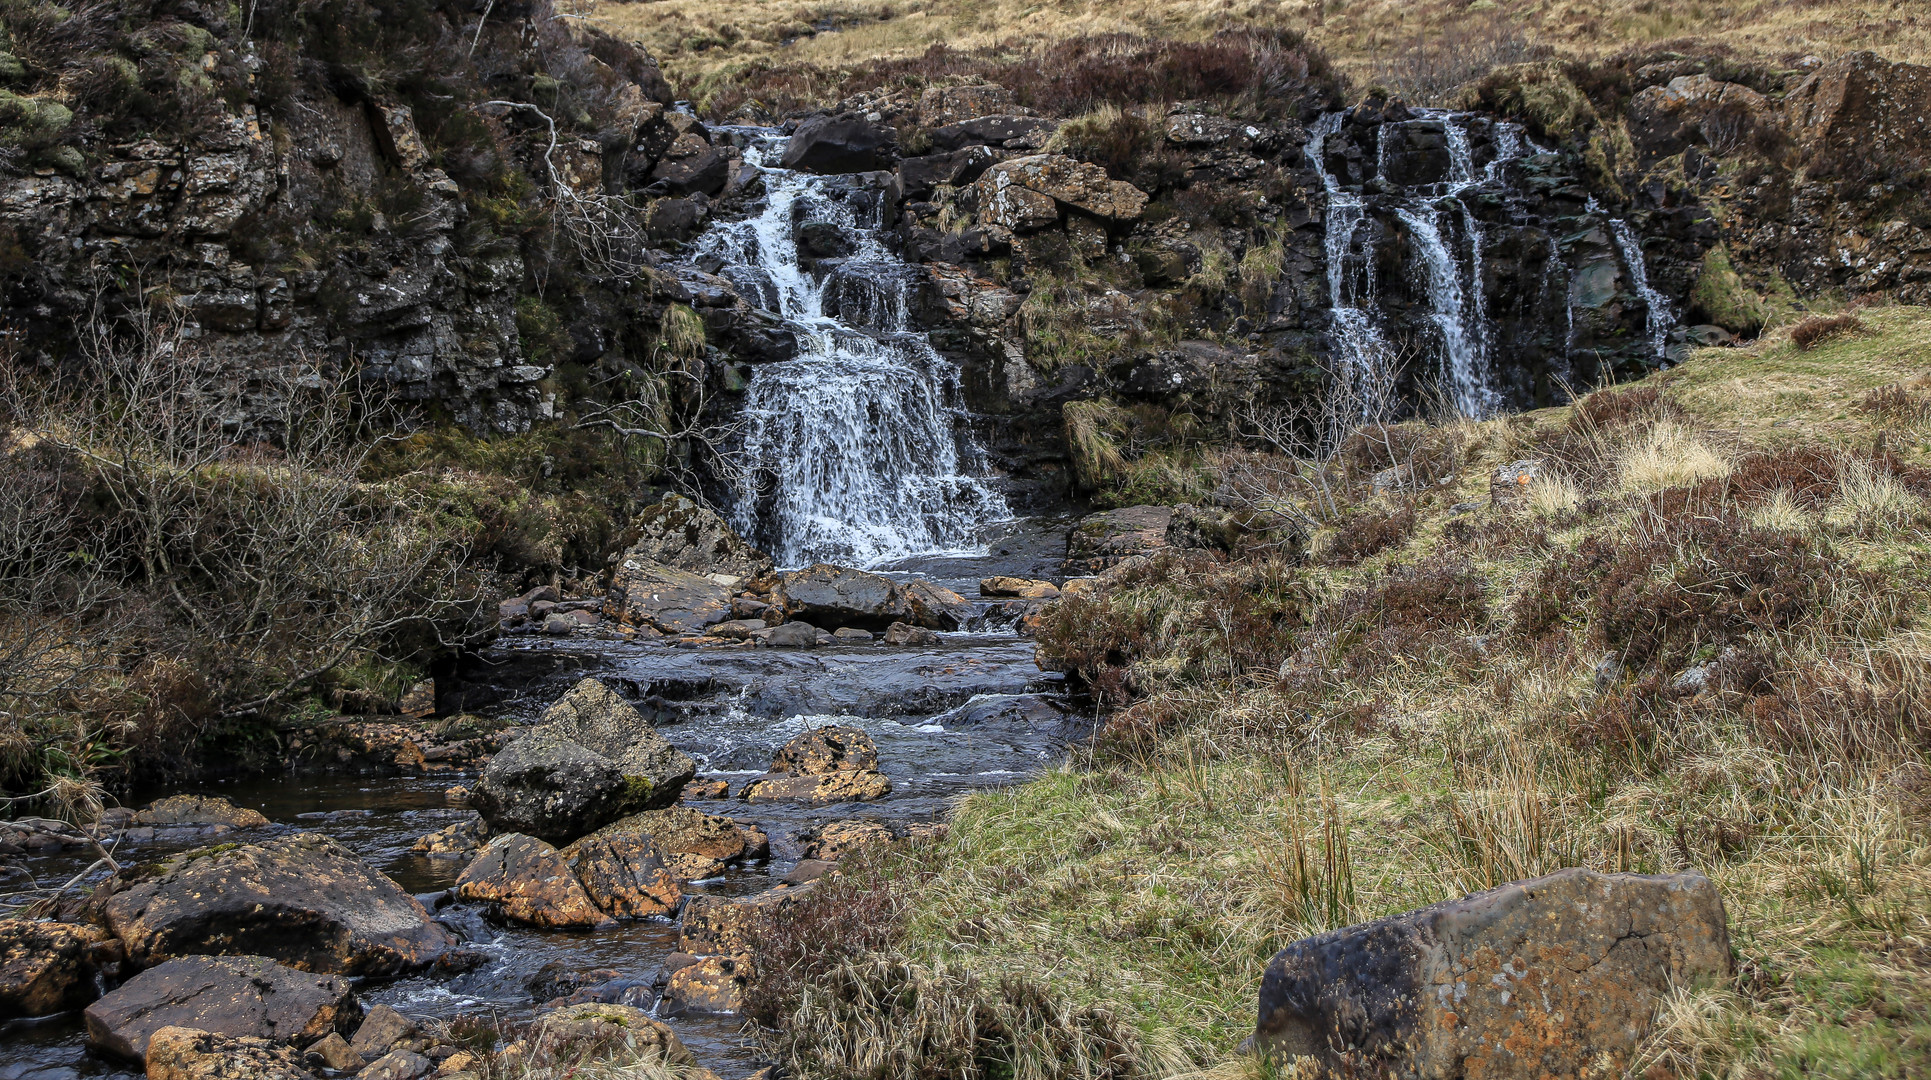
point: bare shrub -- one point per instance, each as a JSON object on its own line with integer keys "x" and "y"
{"x": 846, "y": 916}
{"x": 1817, "y": 329}
{"x": 1370, "y": 533}
{"x": 1426, "y": 69}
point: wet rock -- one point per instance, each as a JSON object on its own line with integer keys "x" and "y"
{"x": 526, "y": 880}
{"x": 1102, "y": 540}
{"x": 832, "y": 788}
{"x": 592, "y": 759}
{"x": 852, "y": 635}
{"x": 199, "y": 810}
{"x": 397, "y": 1065}
{"x": 807, "y": 870}
{"x": 332, "y": 1051}
{"x": 833, "y": 748}
{"x": 906, "y": 634}
{"x": 919, "y": 175}
{"x": 739, "y": 629}
{"x": 229, "y": 995}
{"x": 623, "y": 872}
{"x": 834, "y": 596}
{"x": 692, "y": 167}
{"x": 791, "y": 635}
{"x": 824, "y": 240}
{"x": 1022, "y": 588}
{"x": 679, "y": 533}
{"x": 713, "y": 985}
{"x": 383, "y": 1030}
{"x": 1558, "y": 975}
{"x": 304, "y": 900}
{"x": 706, "y": 787}
{"x": 666, "y": 599}
{"x": 458, "y": 840}
{"x": 181, "y": 1053}
{"x": 836, "y": 839}
{"x": 846, "y": 143}
{"x": 935, "y": 607}
{"x": 46, "y": 967}
{"x": 588, "y": 1032}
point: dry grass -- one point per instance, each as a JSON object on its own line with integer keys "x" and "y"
{"x": 1408, "y": 728}
{"x": 695, "y": 38}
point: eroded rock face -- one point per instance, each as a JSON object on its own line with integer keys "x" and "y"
{"x": 180, "y": 1053}
{"x": 1556, "y": 976}
{"x": 1067, "y": 182}
{"x": 305, "y": 901}
{"x": 591, "y": 759}
{"x": 678, "y": 533}
{"x": 46, "y": 967}
{"x": 622, "y": 870}
{"x": 528, "y": 881}
{"x": 236, "y": 996}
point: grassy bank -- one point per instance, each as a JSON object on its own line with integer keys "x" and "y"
{"x": 1696, "y": 640}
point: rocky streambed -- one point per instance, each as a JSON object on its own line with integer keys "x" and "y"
{"x": 842, "y": 742}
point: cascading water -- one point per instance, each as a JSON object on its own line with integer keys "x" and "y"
{"x": 1364, "y": 355}
{"x": 854, "y": 451}
{"x": 1658, "y": 317}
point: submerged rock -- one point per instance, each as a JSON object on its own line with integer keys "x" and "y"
{"x": 1556, "y": 976}
{"x": 304, "y": 900}
{"x": 526, "y": 880}
{"x": 237, "y": 996}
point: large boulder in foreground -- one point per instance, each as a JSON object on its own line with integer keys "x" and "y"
{"x": 46, "y": 967}
{"x": 305, "y": 901}
{"x": 831, "y": 597}
{"x": 845, "y": 143}
{"x": 1556, "y": 976}
{"x": 592, "y": 759}
{"x": 679, "y": 533}
{"x": 180, "y": 1053}
{"x": 238, "y": 996}
{"x": 526, "y": 880}
{"x": 645, "y": 592}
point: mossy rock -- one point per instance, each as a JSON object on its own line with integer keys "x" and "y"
{"x": 1724, "y": 299}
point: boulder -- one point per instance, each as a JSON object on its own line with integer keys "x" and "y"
{"x": 791, "y": 635}
{"x": 714, "y": 985}
{"x": 833, "y": 596}
{"x": 459, "y": 840}
{"x": 825, "y": 240}
{"x": 679, "y": 533}
{"x": 692, "y": 167}
{"x": 845, "y": 143}
{"x": 836, "y": 839}
{"x": 834, "y": 788}
{"x": 1006, "y": 130}
{"x": 237, "y": 996}
{"x": 199, "y": 810}
{"x": 1860, "y": 114}
{"x": 181, "y": 1053}
{"x": 1556, "y": 976}
{"x": 936, "y": 607}
{"x": 1069, "y": 182}
{"x": 723, "y": 926}
{"x": 622, "y": 870}
{"x": 303, "y": 900}
{"x": 383, "y": 1030}
{"x": 526, "y": 880}
{"x": 739, "y": 629}
{"x": 830, "y": 749}
{"x": 852, "y": 635}
{"x": 1101, "y": 540}
{"x": 397, "y": 1065}
{"x": 1698, "y": 110}
{"x": 590, "y": 760}
{"x": 906, "y": 634}
{"x": 332, "y": 1051}
{"x": 918, "y": 176}
{"x": 1022, "y": 588}
{"x": 708, "y": 787}
{"x": 573, "y": 1031}
{"x": 46, "y": 967}
{"x": 645, "y": 592}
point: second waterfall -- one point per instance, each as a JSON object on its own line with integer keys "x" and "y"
{"x": 856, "y": 450}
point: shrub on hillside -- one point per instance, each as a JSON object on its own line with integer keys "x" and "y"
{"x": 1818, "y": 329}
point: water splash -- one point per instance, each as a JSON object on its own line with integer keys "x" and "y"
{"x": 855, "y": 451}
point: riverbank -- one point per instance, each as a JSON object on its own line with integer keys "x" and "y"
{"x": 1688, "y": 639}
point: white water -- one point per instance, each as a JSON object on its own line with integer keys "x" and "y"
{"x": 1364, "y": 355}
{"x": 855, "y": 451}
{"x": 1659, "y": 319}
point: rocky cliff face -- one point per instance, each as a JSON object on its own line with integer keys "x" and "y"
{"x": 423, "y": 192}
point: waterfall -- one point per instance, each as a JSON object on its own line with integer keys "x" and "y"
{"x": 1365, "y": 358}
{"x": 1468, "y": 383}
{"x": 1658, "y": 317}
{"x": 855, "y": 450}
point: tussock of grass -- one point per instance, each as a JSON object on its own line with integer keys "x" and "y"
{"x": 1501, "y": 693}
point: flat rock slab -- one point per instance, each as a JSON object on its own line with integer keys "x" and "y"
{"x": 236, "y": 996}
{"x": 1555, "y": 976}
{"x": 1103, "y": 539}
{"x": 303, "y": 900}
{"x": 664, "y": 598}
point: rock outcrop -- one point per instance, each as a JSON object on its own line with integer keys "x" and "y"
{"x": 623, "y": 870}
{"x": 235, "y": 996}
{"x": 592, "y": 759}
{"x": 664, "y": 598}
{"x": 845, "y": 143}
{"x": 305, "y": 901}
{"x": 1556, "y": 976}
{"x": 180, "y": 1053}
{"x": 677, "y": 532}
{"x": 824, "y": 765}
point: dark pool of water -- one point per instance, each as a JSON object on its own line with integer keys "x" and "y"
{"x": 974, "y": 712}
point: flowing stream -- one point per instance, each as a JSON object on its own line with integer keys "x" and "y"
{"x": 855, "y": 451}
